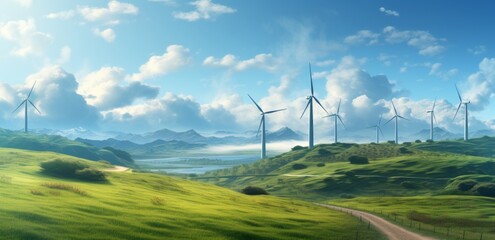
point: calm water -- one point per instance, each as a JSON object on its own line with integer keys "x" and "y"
{"x": 194, "y": 165}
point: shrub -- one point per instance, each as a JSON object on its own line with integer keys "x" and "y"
{"x": 250, "y": 190}
{"x": 297, "y": 147}
{"x": 487, "y": 190}
{"x": 157, "y": 201}
{"x": 417, "y": 141}
{"x": 391, "y": 142}
{"x": 61, "y": 186}
{"x": 324, "y": 153}
{"x": 5, "y": 179}
{"x": 320, "y": 164}
{"x": 91, "y": 174}
{"x": 409, "y": 185}
{"x": 404, "y": 150}
{"x": 299, "y": 166}
{"x": 466, "y": 185}
{"x": 348, "y": 196}
{"x": 350, "y": 174}
{"x": 37, "y": 192}
{"x": 62, "y": 167}
{"x": 406, "y": 143}
{"x": 358, "y": 160}
{"x": 429, "y": 141}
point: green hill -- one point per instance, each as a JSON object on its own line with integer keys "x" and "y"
{"x": 54, "y": 143}
{"x": 149, "y": 206}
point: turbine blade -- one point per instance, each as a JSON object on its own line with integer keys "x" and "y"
{"x": 379, "y": 121}
{"x": 402, "y": 117}
{"x": 340, "y": 119}
{"x": 259, "y": 108}
{"x": 31, "y": 89}
{"x": 434, "y": 117}
{"x": 434, "y": 102}
{"x": 458, "y": 94}
{"x": 338, "y": 108}
{"x": 32, "y": 104}
{"x": 259, "y": 128}
{"x": 320, "y": 104}
{"x": 380, "y": 129}
{"x": 311, "y": 79}
{"x": 390, "y": 120}
{"x": 307, "y": 105}
{"x": 457, "y": 109}
{"x": 19, "y": 106}
{"x": 274, "y": 111}
{"x": 393, "y": 105}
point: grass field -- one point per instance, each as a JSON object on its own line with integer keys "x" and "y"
{"x": 149, "y": 206}
{"x": 448, "y": 217}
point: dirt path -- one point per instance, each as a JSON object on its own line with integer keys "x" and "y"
{"x": 117, "y": 169}
{"x": 392, "y": 231}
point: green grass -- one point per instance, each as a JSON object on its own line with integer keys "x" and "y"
{"x": 436, "y": 215}
{"x": 149, "y": 206}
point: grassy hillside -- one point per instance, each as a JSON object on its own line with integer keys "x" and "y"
{"x": 325, "y": 172}
{"x": 54, "y": 143}
{"x": 476, "y": 147}
{"x": 454, "y": 216}
{"x": 148, "y": 206}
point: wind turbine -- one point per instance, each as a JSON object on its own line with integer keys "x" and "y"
{"x": 378, "y": 130}
{"x": 336, "y": 116}
{"x": 262, "y": 127}
{"x": 466, "y": 136}
{"x": 310, "y": 105}
{"x": 396, "y": 116}
{"x": 432, "y": 116}
{"x": 25, "y": 102}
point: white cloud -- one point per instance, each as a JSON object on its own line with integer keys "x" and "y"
{"x": 174, "y": 58}
{"x": 65, "y": 54}
{"x": 477, "y": 50}
{"x": 107, "y": 89}
{"x": 481, "y": 85}
{"x": 25, "y": 3}
{"x": 325, "y": 63}
{"x": 435, "y": 70}
{"x": 204, "y": 10}
{"x": 108, "y": 14}
{"x": 385, "y": 59}
{"x": 63, "y": 15}
{"x": 262, "y": 61}
{"x": 389, "y": 12}
{"x": 427, "y": 44}
{"x": 24, "y": 34}
{"x": 107, "y": 34}
{"x": 363, "y": 37}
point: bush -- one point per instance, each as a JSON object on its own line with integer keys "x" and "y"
{"x": 295, "y": 148}
{"x": 429, "y": 141}
{"x": 417, "y": 141}
{"x": 391, "y": 142}
{"x": 404, "y": 150}
{"x": 358, "y": 160}
{"x": 348, "y": 196}
{"x": 91, "y": 174}
{"x": 406, "y": 143}
{"x": 466, "y": 185}
{"x": 409, "y": 185}
{"x": 487, "y": 190}
{"x": 62, "y": 167}
{"x": 299, "y": 166}
{"x": 320, "y": 164}
{"x": 324, "y": 153}
{"x": 250, "y": 190}
{"x": 350, "y": 174}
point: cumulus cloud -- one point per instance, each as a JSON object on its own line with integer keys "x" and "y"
{"x": 174, "y": 58}
{"x": 477, "y": 50}
{"x": 108, "y": 14}
{"x": 25, "y": 3}
{"x": 262, "y": 61}
{"x": 205, "y": 9}
{"x": 363, "y": 37}
{"x": 63, "y": 15}
{"x": 389, "y": 12}
{"x": 424, "y": 41}
{"x": 65, "y": 54}
{"x": 436, "y": 70}
{"x": 25, "y": 35}
{"x": 481, "y": 85}
{"x": 107, "y": 89}
{"x": 107, "y": 34}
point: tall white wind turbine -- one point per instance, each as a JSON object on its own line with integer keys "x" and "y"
{"x": 262, "y": 126}
{"x": 466, "y": 133}
{"x": 336, "y": 116}
{"x": 25, "y": 102}
{"x": 378, "y": 130}
{"x": 310, "y": 105}
{"x": 432, "y": 116}
{"x": 396, "y": 116}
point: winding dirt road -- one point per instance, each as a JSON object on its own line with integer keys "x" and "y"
{"x": 116, "y": 169}
{"x": 392, "y": 231}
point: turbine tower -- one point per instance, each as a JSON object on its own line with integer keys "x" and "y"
{"x": 378, "y": 130}
{"x": 466, "y": 135}
{"x": 310, "y": 105}
{"x": 336, "y": 116}
{"x": 25, "y": 102}
{"x": 396, "y": 116}
{"x": 432, "y": 116}
{"x": 262, "y": 127}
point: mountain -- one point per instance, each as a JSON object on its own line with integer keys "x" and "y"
{"x": 59, "y": 144}
{"x": 439, "y": 134}
{"x": 482, "y": 133}
{"x": 283, "y": 134}
{"x": 74, "y": 133}
{"x": 158, "y": 148}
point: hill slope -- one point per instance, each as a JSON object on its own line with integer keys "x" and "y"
{"x": 54, "y": 143}
{"x": 150, "y": 206}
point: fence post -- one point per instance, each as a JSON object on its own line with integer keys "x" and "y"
{"x": 463, "y": 234}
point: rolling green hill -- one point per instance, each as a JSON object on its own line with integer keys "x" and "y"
{"x": 149, "y": 206}
{"x": 54, "y": 143}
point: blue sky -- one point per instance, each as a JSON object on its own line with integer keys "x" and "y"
{"x": 146, "y": 65}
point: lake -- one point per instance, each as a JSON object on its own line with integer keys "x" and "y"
{"x": 194, "y": 165}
